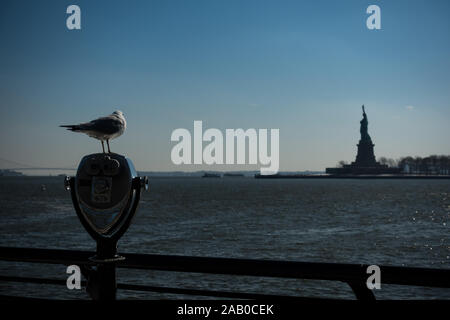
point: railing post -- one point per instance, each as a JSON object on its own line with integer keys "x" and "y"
{"x": 106, "y": 269}
{"x": 107, "y": 287}
{"x": 101, "y": 282}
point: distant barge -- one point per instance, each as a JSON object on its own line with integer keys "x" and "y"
{"x": 211, "y": 175}
{"x": 233, "y": 175}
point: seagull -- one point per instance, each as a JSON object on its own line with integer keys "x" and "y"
{"x": 103, "y": 129}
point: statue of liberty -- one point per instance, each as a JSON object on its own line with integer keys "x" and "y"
{"x": 364, "y": 127}
{"x": 365, "y": 162}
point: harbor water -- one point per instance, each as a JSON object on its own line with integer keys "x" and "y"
{"x": 383, "y": 222}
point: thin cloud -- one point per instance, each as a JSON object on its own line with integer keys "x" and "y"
{"x": 410, "y": 107}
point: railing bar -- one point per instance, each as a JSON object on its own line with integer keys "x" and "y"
{"x": 246, "y": 267}
{"x": 288, "y": 269}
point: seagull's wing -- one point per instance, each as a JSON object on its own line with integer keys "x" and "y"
{"x": 105, "y": 125}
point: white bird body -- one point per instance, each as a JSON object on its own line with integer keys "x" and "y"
{"x": 103, "y": 129}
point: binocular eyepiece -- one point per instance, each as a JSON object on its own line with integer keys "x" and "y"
{"x": 104, "y": 165}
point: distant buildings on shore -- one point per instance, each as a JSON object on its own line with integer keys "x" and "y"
{"x": 428, "y": 165}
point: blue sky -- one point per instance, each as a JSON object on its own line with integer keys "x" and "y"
{"x": 305, "y": 67}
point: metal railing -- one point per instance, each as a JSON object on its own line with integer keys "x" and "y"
{"x": 355, "y": 275}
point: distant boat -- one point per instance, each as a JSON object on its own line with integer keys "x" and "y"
{"x": 233, "y": 175}
{"x": 211, "y": 175}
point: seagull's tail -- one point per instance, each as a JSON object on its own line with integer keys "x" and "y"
{"x": 74, "y": 127}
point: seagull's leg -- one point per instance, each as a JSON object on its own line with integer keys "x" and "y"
{"x": 103, "y": 146}
{"x": 107, "y": 142}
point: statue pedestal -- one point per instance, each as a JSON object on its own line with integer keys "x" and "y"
{"x": 365, "y": 156}
{"x": 365, "y": 162}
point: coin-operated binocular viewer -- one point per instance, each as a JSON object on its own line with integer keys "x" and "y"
{"x": 105, "y": 194}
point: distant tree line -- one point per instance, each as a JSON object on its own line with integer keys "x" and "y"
{"x": 433, "y": 164}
